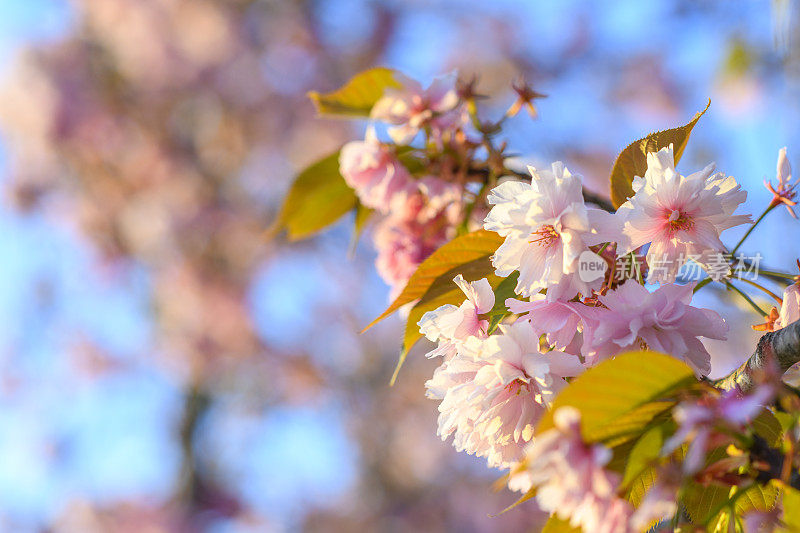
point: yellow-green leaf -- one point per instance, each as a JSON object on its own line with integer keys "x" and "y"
{"x": 711, "y": 504}
{"x": 632, "y": 161}
{"x": 357, "y": 96}
{"x": 467, "y": 255}
{"x": 640, "y": 472}
{"x": 768, "y": 427}
{"x": 619, "y": 397}
{"x": 318, "y": 197}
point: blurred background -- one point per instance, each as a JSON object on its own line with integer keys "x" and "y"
{"x": 163, "y": 367}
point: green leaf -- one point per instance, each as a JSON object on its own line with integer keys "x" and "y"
{"x": 318, "y": 197}
{"x": 766, "y": 426}
{"x": 357, "y": 96}
{"x": 620, "y": 397}
{"x": 504, "y": 291}
{"x": 632, "y": 161}
{"x": 712, "y": 504}
{"x": 640, "y": 472}
{"x": 556, "y": 525}
{"x": 467, "y": 255}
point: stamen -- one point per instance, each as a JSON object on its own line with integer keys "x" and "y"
{"x": 678, "y": 220}
{"x": 545, "y": 236}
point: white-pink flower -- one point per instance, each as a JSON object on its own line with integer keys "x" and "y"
{"x": 662, "y": 320}
{"x": 546, "y": 228}
{"x": 496, "y": 389}
{"x": 411, "y": 108}
{"x": 559, "y": 320}
{"x": 450, "y": 326}
{"x": 680, "y": 216}
{"x": 785, "y": 192}
{"x": 403, "y": 244}
{"x": 571, "y": 480}
{"x": 371, "y": 169}
{"x": 790, "y": 308}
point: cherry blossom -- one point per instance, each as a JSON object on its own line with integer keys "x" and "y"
{"x": 495, "y": 390}
{"x": 560, "y": 321}
{"x": 659, "y": 503}
{"x": 546, "y": 228}
{"x": 785, "y": 192}
{"x": 411, "y": 108}
{"x": 680, "y": 216}
{"x": 698, "y": 419}
{"x": 790, "y": 308}
{"x": 571, "y": 480}
{"x": 450, "y": 326}
{"x": 373, "y": 171}
{"x": 403, "y": 244}
{"x": 662, "y": 320}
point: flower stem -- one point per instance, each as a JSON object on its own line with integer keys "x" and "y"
{"x": 750, "y": 230}
{"x": 769, "y": 292}
{"x": 702, "y": 284}
{"x": 746, "y": 297}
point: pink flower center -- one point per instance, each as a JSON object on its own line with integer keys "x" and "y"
{"x": 518, "y": 386}
{"x": 545, "y": 236}
{"x": 679, "y": 221}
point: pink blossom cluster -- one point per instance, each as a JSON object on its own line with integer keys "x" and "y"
{"x": 421, "y": 212}
{"x": 501, "y": 372}
{"x": 573, "y": 483}
{"x": 493, "y": 388}
{"x": 550, "y": 235}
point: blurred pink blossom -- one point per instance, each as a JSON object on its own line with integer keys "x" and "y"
{"x": 571, "y": 480}
{"x": 411, "y": 108}
{"x": 374, "y": 172}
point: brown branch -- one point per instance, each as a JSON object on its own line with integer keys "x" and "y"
{"x": 781, "y": 348}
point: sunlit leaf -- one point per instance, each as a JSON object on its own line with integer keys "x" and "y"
{"x": 632, "y": 161}
{"x": 620, "y": 397}
{"x": 768, "y": 427}
{"x": 317, "y": 198}
{"x": 356, "y": 97}
{"x": 467, "y": 255}
{"x": 712, "y": 503}
{"x": 640, "y": 472}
